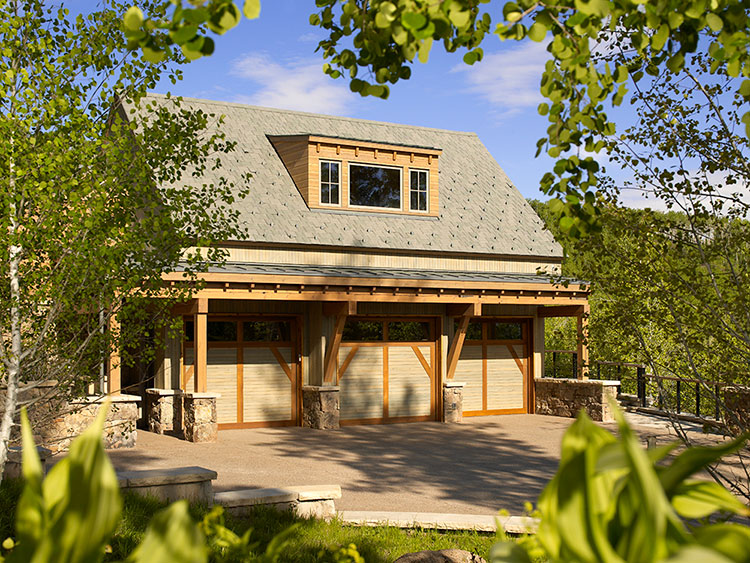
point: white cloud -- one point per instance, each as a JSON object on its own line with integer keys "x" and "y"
{"x": 310, "y": 36}
{"x": 508, "y": 79}
{"x": 290, "y": 84}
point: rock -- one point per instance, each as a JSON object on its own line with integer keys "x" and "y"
{"x": 442, "y": 556}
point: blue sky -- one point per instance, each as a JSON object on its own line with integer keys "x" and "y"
{"x": 272, "y": 62}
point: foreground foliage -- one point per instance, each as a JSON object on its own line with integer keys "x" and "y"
{"x": 613, "y": 501}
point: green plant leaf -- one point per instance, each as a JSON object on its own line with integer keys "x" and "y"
{"x": 731, "y": 540}
{"x": 251, "y": 9}
{"x": 698, "y": 499}
{"x": 171, "y": 537}
{"x": 508, "y": 552}
{"x": 695, "y": 459}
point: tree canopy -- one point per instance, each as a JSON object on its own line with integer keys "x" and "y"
{"x": 97, "y": 200}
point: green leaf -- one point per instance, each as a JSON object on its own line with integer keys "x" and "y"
{"x": 698, "y": 499}
{"x": 537, "y": 32}
{"x": 676, "y": 62}
{"x": 171, "y": 536}
{"x": 509, "y": 552}
{"x": 251, "y": 9}
{"x": 413, "y": 20}
{"x": 660, "y": 37}
{"x": 153, "y": 55}
{"x": 745, "y": 88}
{"x": 695, "y": 554}
{"x": 731, "y": 540}
{"x": 424, "y": 50}
{"x": 133, "y": 18}
{"x": 714, "y": 22}
{"x": 694, "y": 459}
{"x": 30, "y": 513}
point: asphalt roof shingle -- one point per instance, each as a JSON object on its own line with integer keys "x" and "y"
{"x": 481, "y": 212}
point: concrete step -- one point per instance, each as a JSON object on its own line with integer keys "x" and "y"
{"x": 438, "y": 521}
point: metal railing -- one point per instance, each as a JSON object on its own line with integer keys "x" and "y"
{"x": 675, "y": 394}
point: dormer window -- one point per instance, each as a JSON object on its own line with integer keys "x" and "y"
{"x": 418, "y": 182}
{"x": 341, "y": 174}
{"x": 374, "y": 186}
{"x": 330, "y": 183}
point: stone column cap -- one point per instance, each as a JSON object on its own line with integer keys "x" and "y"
{"x": 195, "y": 395}
{"x": 321, "y": 388}
{"x": 602, "y": 382}
{"x": 454, "y": 384}
{"x": 165, "y": 392}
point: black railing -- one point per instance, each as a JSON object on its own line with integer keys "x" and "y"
{"x": 680, "y": 395}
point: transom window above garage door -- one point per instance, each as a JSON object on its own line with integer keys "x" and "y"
{"x": 495, "y": 330}
{"x": 242, "y": 331}
{"x": 387, "y": 331}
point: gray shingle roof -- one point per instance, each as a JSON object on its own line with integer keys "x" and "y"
{"x": 481, "y": 211}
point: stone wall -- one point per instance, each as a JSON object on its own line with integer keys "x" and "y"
{"x": 56, "y": 422}
{"x": 320, "y": 407}
{"x": 737, "y": 401}
{"x": 567, "y": 397}
{"x": 164, "y": 411}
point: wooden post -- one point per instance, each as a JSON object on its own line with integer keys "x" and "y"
{"x": 200, "y": 338}
{"x": 465, "y": 313}
{"x": 582, "y": 348}
{"x": 114, "y": 379}
{"x": 341, "y": 310}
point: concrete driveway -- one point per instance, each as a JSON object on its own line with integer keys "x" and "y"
{"x": 478, "y": 467}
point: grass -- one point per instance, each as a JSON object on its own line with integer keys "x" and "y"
{"x": 314, "y": 540}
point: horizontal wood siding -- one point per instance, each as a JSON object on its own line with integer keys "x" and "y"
{"x": 268, "y": 390}
{"x": 383, "y": 259}
{"x": 361, "y": 394}
{"x": 469, "y": 370}
{"x": 505, "y": 388}
{"x": 266, "y": 307}
{"x": 409, "y": 386}
{"x": 188, "y": 365}
{"x": 221, "y": 377}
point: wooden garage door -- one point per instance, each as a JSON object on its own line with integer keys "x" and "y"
{"x": 252, "y": 364}
{"x": 495, "y": 366}
{"x": 386, "y": 371}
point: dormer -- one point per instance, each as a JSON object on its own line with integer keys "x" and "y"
{"x": 351, "y": 175}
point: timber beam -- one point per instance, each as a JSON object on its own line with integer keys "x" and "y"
{"x": 462, "y": 310}
{"x": 561, "y": 311}
{"x": 340, "y": 311}
{"x": 457, "y": 344}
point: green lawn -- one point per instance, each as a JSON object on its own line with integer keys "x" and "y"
{"x": 376, "y": 545}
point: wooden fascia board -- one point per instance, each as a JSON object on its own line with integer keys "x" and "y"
{"x": 333, "y": 141}
{"x": 337, "y": 308}
{"x": 461, "y": 310}
{"x": 562, "y": 311}
{"x": 234, "y": 277}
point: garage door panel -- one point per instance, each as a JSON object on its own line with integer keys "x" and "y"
{"x": 469, "y": 371}
{"x": 267, "y": 388}
{"x": 504, "y": 378}
{"x": 221, "y": 377}
{"x": 361, "y": 386}
{"x": 409, "y": 385}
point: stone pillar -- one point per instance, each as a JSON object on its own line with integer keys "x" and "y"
{"x": 453, "y": 401}
{"x": 737, "y": 403}
{"x": 200, "y": 416}
{"x": 164, "y": 410}
{"x": 567, "y": 397}
{"x": 320, "y": 407}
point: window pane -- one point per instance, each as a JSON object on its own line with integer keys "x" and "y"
{"x": 266, "y": 331}
{"x": 418, "y": 190}
{"x": 363, "y": 331}
{"x": 325, "y": 195}
{"x": 222, "y": 331}
{"x": 334, "y": 194}
{"x": 325, "y": 175}
{"x": 507, "y": 331}
{"x": 414, "y": 200}
{"x": 189, "y": 331}
{"x": 334, "y": 167}
{"x": 373, "y": 186}
{"x": 473, "y": 332}
{"x": 413, "y": 331}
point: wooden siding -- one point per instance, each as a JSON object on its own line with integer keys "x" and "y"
{"x": 361, "y": 394}
{"x": 470, "y": 371}
{"x": 409, "y": 386}
{"x": 234, "y": 306}
{"x": 221, "y": 377}
{"x": 505, "y": 389}
{"x": 294, "y": 155}
{"x": 268, "y": 390}
{"x": 411, "y": 261}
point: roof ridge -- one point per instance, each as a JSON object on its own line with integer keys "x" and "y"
{"x": 311, "y": 114}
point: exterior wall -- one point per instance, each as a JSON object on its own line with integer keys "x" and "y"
{"x": 378, "y": 259}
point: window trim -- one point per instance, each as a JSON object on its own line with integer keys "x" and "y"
{"x": 370, "y": 165}
{"x": 426, "y": 210}
{"x": 320, "y": 182}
